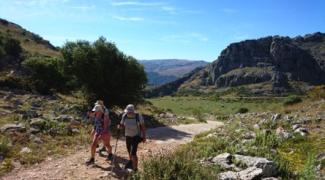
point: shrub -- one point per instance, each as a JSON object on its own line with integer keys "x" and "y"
{"x": 318, "y": 92}
{"x": 292, "y": 100}
{"x": 310, "y": 168}
{"x": 12, "y": 47}
{"x": 198, "y": 115}
{"x": 14, "y": 82}
{"x": 179, "y": 165}
{"x": 4, "y": 147}
{"x": 45, "y": 74}
{"x": 242, "y": 110}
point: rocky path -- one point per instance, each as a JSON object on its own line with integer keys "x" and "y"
{"x": 160, "y": 140}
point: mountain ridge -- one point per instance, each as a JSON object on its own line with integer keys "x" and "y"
{"x": 276, "y": 60}
{"x": 161, "y": 71}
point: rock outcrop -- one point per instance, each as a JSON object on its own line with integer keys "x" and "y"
{"x": 275, "y": 60}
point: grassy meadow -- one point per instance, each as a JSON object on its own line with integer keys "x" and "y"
{"x": 187, "y": 105}
{"x": 295, "y": 157}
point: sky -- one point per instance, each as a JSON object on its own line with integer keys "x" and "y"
{"x": 166, "y": 29}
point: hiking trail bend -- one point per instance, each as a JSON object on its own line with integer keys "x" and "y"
{"x": 159, "y": 140}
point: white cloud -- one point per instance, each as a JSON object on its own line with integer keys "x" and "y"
{"x": 38, "y": 2}
{"x": 84, "y": 8}
{"x": 124, "y": 18}
{"x": 136, "y": 3}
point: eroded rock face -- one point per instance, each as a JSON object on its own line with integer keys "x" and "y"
{"x": 276, "y": 60}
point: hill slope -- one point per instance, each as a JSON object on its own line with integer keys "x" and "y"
{"x": 166, "y": 70}
{"x": 271, "y": 64}
{"x": 30, "y": 42}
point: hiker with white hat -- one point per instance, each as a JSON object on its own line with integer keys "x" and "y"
{"x": 101, "y": 131}
{"x": 135, "y": 133}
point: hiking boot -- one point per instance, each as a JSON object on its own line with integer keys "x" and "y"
{"x": 90, "y": 161}
{"x": 109, "y": 157}
{"x": 128, "y": 165}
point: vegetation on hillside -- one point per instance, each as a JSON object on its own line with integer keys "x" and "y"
{"x": 257, "y": 133}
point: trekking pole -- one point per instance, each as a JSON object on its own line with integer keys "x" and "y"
{"x": 114, "y": 156}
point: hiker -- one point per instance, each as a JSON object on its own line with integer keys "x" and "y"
{"x": 100, "y": 131}
{"x": 134, "y": 134}
{"x": 106, "y": 114}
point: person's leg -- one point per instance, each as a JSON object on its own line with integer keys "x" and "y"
{"x": 106, "y": 142}
{"x": 134, "y": 157}
{"x": 93, "y": 149}
{"x": 128, "y": 141}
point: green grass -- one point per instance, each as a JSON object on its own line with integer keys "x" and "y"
{"x": 294, "y": 157}
{"x": 185, "y": 106}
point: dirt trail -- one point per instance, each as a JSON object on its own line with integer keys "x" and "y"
{"x": 160, "y": 139}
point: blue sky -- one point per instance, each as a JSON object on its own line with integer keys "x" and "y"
{"x": 157, "y": 29}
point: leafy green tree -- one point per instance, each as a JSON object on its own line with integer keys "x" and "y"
{"x": 104, "y": 72}
{"x": 45, "y": 74}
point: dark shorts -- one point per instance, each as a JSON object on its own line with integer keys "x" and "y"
{"x": 132, "y": 144}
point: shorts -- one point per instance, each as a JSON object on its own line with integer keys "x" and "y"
{"x": 132, "y": 144}
{"x": 102, "y": 136}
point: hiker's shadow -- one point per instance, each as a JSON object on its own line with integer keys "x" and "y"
{"x": 115, "y": 169}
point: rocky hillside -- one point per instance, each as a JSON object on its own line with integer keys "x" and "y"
{"x": 270, "y": 64}
{"x": 16, "y": 45}
{"x": 166, "y": 70}
{"x": 30, "y": 42}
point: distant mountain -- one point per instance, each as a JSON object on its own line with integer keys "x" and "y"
{"x": 171, "y": 87}
{"x": 272, "y": 64}
{"x": 166, "y": 70}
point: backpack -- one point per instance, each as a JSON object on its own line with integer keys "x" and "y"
{"x": 137, "y": 119}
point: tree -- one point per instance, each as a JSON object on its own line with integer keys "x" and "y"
{"x": 45, "y": 74}
{"x": 104, "y": 72}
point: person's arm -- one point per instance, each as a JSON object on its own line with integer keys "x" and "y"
{"x": 143, "y": 128}
{"x": 121, "y": 125}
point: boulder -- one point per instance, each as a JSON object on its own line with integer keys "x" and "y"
{"x": 229, "y": 175}
{"x": 25, "y": 150}
{"x": 280, "y": 132}
{"x": 64, "y": 118}
{"x": 302, "y": 131}
{"x": 34, "y": 130}
{"x": 269, "y": 168}
{"x": 74, "y": 123}
{"x": 251, "y": 173}
{"x": 75, "y": 131}
{"x": 223, "y": 160}
{"x": 37, "y": 122}
{"x": 249, "y": 135}
{"x": 13, "y": 127}
{"x": 276, "y": 117}
{"x": 36, "y": 139}
{"x": 296, "y": 126}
